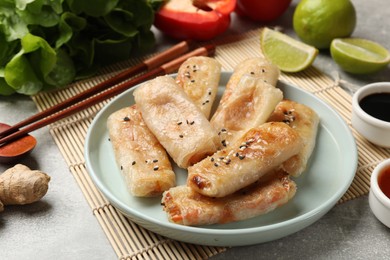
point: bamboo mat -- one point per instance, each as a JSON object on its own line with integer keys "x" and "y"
{"x": 130, "y": 241}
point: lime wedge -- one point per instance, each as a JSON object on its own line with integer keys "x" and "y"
{"x": 289, "y": 54}
{"x": 359, "y": 56}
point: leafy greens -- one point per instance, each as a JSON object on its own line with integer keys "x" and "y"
{"x": 47, "y": 44}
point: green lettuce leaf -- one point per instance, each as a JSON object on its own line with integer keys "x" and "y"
{"x": 68, "y": 24}
{"x": 28, "y": 69}
{"x": 47, "y": 44}
{"x": 5, "y": 89}
{"x": 41, "y": 12}
{"x": 62, "y": 73}
{"x": 12, "y": 27}
{"x": 96, "y": 8}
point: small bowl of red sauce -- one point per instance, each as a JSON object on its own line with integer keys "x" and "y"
{"x": 371, "y": 113}
{"x": 379, "y": 196}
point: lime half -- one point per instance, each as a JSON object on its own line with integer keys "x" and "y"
{"x": 289, "y": 54}
{"x": 359, "y": 56}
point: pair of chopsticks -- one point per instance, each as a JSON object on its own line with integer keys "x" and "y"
{"x": 166, "y": 62}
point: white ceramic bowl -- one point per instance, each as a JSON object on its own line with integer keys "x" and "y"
{"x": 379, "y": 202}
{"x": 374, "y": 130}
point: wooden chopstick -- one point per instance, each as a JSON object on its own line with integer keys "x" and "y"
{"x": 166, "y": 68}
{"x": 148, "y": 64}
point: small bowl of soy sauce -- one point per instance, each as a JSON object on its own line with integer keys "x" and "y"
{"x": 371, "y": 113}
{"x": 379, "y": 196}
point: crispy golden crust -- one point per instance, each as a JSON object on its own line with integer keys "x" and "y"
{"x": 142, "y": 160}
{"x": 248, "y": 100}
{"x": 257, "y": 152}
{"x": 199, "y": 77}
{"x": 250, "y": 104}
{"x": 303, "y": 119}
{"x": 178, "y": 124}
{"x": 187, "y": 207}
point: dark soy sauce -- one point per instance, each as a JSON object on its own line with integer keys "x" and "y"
{"x": 377, "y": 105}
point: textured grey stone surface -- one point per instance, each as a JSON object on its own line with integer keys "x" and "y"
{"x": 348, "y": 231}
{"x": 62, "y": 226}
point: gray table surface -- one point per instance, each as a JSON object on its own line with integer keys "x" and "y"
{"x": 62, "y": 226}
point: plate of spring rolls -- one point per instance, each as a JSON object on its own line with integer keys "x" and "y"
{"x": 221, "y": 158}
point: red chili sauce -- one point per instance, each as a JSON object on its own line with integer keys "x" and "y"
{"x": 384, "y": 181}
{"x": 377, "y": 105}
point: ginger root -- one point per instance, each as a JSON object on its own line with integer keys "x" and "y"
{"x": 20, "y": 185}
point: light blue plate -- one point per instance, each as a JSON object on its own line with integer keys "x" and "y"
{"x": 331, "y": 170}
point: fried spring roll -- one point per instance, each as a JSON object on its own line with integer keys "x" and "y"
{"x": 257, "y": 152}
{"x": 303, "y": 119}
{"x": 187, "y": 207}
{"x": 199, "y": 77}
{"x": 178, "y": 124}
{"x": 248, "y": 100}
{"x": 143, "y": 161}
{"x": 256, "y": 67}
{"x": 249, "y": 105}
